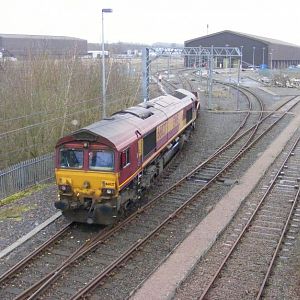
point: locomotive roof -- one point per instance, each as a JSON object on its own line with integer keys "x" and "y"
{"x": 125, "y": 126}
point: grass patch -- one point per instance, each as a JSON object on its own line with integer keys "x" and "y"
{"x": 15, "y": 213}
{"x": 17, "y": 196}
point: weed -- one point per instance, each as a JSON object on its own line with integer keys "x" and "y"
{"x": 43, "y": 99}
{"x": 15, "y": 212}
{"x": 22, "y": 194}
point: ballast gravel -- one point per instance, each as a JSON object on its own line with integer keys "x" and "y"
{"x": 212, "y": 129}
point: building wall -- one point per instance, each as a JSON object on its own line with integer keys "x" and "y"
{"x": 254, "y": 51}
{"x": 232, "y": 40}
{"x": 26, "y": 46}
{"x": 283, "y": 55}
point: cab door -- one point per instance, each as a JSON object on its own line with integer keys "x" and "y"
{"x": 130, "y": 160}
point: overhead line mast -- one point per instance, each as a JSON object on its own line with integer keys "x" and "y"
{"x": 191, "y": 56}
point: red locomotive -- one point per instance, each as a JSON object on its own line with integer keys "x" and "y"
{"x": 103, "y": 168}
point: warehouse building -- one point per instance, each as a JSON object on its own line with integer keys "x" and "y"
{"x": 255, "y": 50}
{"x": 22, "y": 46}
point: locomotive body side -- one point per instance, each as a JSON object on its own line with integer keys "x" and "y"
{"x": 102, "y": 169}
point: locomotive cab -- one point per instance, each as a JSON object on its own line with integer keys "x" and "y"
{"x": 87, "y": 179}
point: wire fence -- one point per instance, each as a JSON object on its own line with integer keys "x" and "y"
{"x": 26, "y": 174}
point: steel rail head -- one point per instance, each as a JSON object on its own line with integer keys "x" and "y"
{"x": 284, "y": 230}
{"x": 211, "y": 282}
{"x": 45, "y": 282}
{"x": 92, "y": 244}
{"x": 32, "y": 255}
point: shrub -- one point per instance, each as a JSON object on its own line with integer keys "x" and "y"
{"x": 42, "y": 99}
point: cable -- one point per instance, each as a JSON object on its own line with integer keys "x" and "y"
{"x": 52, "y": 120}
{"x": 45, "y": 112}
{"x": 68, "y": 105}
{"x": 55, "y": 119}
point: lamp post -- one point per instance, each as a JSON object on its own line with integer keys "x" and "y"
{"x": 271, "y": 61}
{"x": 242, "y": 57}
{"x": 104, "y": 10}
{"x": 253, "y": 53}
{"x": 263, "y": 60}
{"x": 227, "y": 45}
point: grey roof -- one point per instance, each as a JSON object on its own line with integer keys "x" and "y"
{"x": 30, "y": 36}
{"x": 121, "y": 128}
{"x": 256, "y": 37}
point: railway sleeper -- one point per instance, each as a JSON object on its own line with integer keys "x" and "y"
{"x": 202, "y": 177}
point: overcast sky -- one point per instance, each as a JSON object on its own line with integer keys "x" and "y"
{"x": 151, "y": 21}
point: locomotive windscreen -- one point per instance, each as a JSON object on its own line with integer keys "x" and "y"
{"x": 71, "y": 158}
{"x": 102, "y": 160}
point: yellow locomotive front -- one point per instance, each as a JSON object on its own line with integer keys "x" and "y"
{"x": 87, "y": 182}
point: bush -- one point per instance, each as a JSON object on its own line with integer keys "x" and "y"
{"x": 42, "y": 99}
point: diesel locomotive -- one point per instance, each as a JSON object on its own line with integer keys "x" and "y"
{"x": 102, "y": 169}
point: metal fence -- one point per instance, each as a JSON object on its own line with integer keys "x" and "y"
{"x": 26, "y": 174}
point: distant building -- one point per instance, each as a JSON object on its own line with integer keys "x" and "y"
{"x": 31, "y": 45}
{"x": 256, "y": 50}
{"x": 96, "y": 54}
{"x": 6, "y": 56}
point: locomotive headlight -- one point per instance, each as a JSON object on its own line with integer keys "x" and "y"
{"x": 86, "y": 185}
{"x": 64, "y": 188}
{"x": 108, "y": 192}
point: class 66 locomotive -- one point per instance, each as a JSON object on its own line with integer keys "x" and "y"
{"x": 103, "y": 169}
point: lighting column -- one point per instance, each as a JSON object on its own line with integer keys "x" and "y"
{"x": 104, "y": 10}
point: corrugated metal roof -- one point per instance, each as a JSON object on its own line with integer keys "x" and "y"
{"x": 256, "y": 37}
{"x": 29, "y": 36}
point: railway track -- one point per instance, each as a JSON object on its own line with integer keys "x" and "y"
{"x": 168, "y": 85}
{"x": 135, "y": 231}
{"x": 186, "y": 83}
{"x": 50, "y": 255}
{"x": 181, "y": 191}
{"x": 16, "y": 271}
{"x": 248, "y": 264}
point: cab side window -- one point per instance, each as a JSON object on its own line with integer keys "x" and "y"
{"x": 125, "y": 158}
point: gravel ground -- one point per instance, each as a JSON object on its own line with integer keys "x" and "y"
{"x": 279, "y": 287}
{"x": 155, "y": 252}
{"x": 169, "y": 238}
{"x": 40, "y": 207}
{"x": 285, "y": 280}
{"x": 212, "y": 127}
{"x": 11, "y": 230}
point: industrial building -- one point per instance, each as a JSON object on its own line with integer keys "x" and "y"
{"x": 22, "y": 46}
{"x": 255, "y": 50}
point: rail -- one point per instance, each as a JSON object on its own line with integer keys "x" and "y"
{"x": 247, "y": 228}
{"x": 38, "y": 288}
